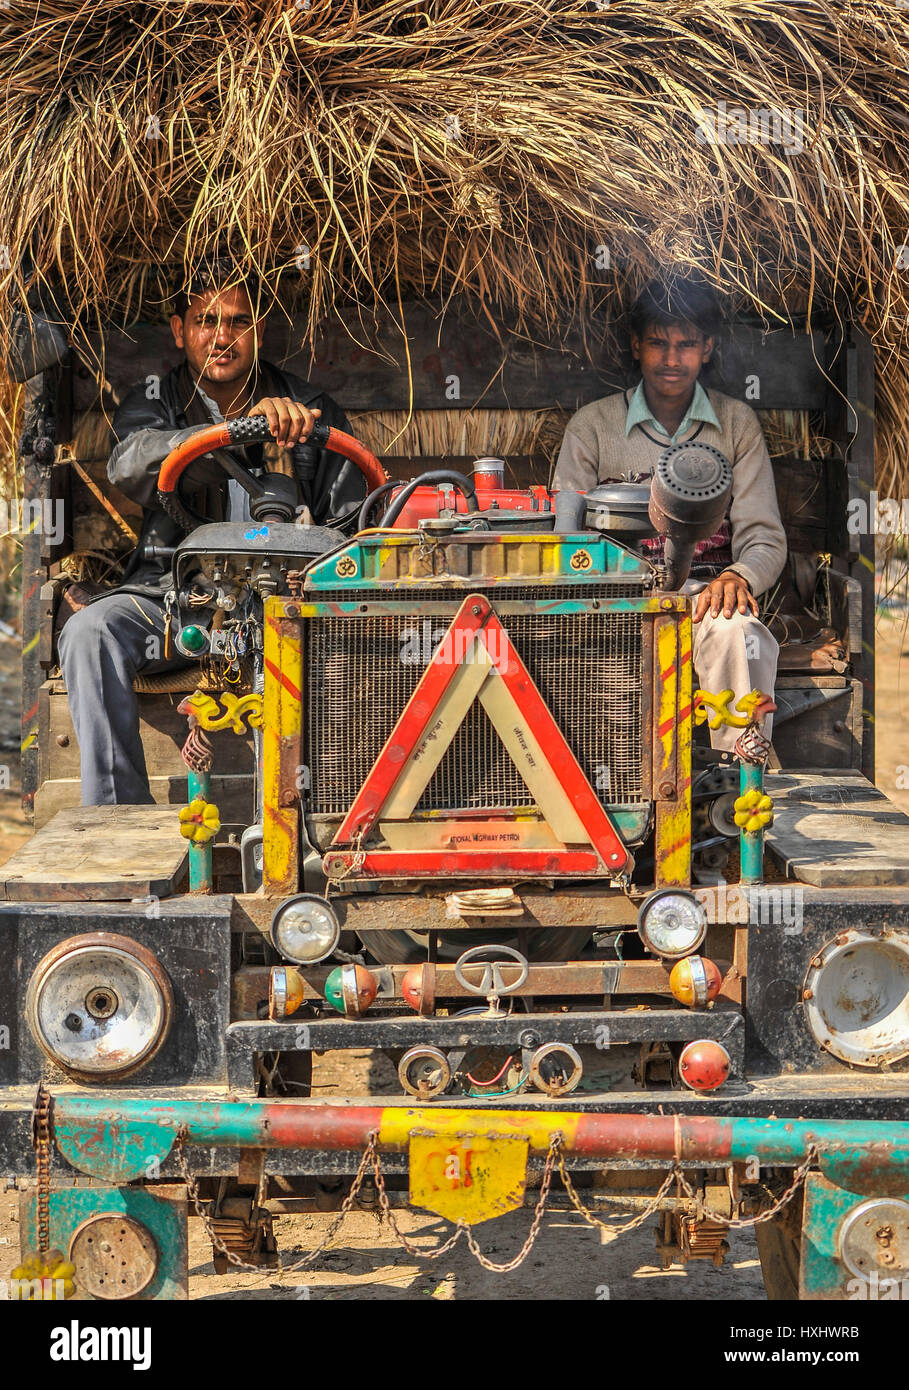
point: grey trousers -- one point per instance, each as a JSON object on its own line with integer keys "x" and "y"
{"x": 101, "y": 648}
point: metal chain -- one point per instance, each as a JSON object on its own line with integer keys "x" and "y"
{"x": 554, "y": 1152}
{"x": 370, "y": 1158}
{"x": 742, "y": 1223}
{"x": 234, "y": 1259}
{"x": 388, "y": 1214}
{"x": 614, "y": 1227}
{"x": 41, "y": 1136}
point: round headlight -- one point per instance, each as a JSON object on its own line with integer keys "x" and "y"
{"x": 672, "y": 923}
{"x": 99, "y": 1005}
{"x": 856, "y": 997}
{"x": 305, "y": 929}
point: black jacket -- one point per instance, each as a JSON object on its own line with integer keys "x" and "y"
{"x": 147, "y": 430}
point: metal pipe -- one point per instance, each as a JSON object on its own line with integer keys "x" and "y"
{"x": 200, "y": 856}
{"x": 751, "y": 842}
{"x": 865, "y": 1147}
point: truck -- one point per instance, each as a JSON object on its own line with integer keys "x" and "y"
{"x": 440, "y": 789}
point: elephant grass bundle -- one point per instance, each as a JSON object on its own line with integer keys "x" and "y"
{"x": 535, "y": 160}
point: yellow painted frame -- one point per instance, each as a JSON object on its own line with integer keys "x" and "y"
{"x": 672, "y": 749}
{"x": 281, "y": 748}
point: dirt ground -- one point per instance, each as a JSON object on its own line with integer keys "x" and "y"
{"x": 569, "y": 1259}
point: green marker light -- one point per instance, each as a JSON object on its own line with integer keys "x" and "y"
{"x": 193, "y": 639}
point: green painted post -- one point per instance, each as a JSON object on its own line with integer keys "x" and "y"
{"x": 751, "y": 842}
{"x": 200, "y": 857}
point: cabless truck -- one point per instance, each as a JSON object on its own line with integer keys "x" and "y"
{"x": 438, "y": 792}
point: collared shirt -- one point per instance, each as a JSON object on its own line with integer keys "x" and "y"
{"x": 639, "y": 412}
{"x": 238, "y": 497}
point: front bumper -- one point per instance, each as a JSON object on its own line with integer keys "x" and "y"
{"x": 862, "y": 1136}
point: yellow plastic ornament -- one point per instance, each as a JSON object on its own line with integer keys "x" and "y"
{"x": 44, "y": 1277}
{"x": 753, "y": 811}
{"x": 200, "y": 821}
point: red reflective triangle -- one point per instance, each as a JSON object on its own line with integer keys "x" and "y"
{"x": 477, "y": 660}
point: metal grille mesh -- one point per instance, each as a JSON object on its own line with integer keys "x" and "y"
{"x": 520, "y": 593}
{"x": 587, "y": 667}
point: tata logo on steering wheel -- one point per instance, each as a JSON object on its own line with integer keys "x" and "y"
{"x": 581, "y": 560}
{"x": 345, "y": 567}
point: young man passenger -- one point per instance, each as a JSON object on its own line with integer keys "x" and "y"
{"x": 620, "y": 438}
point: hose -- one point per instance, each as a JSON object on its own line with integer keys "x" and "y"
{"x": 438, "y": 475}
{"x": 371, "y": 501}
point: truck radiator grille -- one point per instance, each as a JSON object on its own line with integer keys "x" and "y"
{"x": 587, "y": 667}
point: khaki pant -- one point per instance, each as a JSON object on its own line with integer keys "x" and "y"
{"x": 738, "y": 654}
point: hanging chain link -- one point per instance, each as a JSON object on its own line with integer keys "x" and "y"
{"x": 370, "y": 1159}
{"x": 742, "y": 1223}
{"x": 230, "y": 1255}
{"x": 614, "y": 1227}
{"x": 554, "y": 1152}
{"x": 41, "y": 1138}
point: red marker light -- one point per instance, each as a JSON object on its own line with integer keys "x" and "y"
{"x": 704, "y": 1065}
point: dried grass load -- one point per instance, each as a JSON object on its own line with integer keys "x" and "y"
{"x": 359, "y": 151}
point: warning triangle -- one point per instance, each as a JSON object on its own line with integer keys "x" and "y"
{"x": 476, "y": 660}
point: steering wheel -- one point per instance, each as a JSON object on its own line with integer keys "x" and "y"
{"x": 250, "y": 429}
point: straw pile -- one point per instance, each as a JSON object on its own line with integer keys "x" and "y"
{"x": 535, "y": 159}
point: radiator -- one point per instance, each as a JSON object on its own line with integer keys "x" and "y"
{"x": 587, "y": 666}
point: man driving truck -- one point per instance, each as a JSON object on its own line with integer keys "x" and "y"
{"x": 620, "y": 438}
{"x": 105, "y": 644}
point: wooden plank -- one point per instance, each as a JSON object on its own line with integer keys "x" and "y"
{"x": 461, "y": 363}
{"x": 233, "y": 796}
{"x": 162, "y": 730}
{"x": 837, "y": 830}
{"x": 95, "y": 853}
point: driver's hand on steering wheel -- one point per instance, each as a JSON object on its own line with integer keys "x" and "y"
{"x": 290, "y": 422}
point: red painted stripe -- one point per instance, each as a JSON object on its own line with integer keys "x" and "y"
{"x": 666, "y": 725}
{"x": 280, "y": 822}
{"x": 564, "y": 764}
{"x": 679, "y": 844}
{"x": 452, "y": 863}
{"x": 653, "y": 1136}
{"x": 414, "y": 720}
{"x": 32, "y": 712}
{"x": 300, "y": 1125}
{"x": 279, "y": 675}
{"x": 670, "y": 671}
{"x": 28, "y": 593}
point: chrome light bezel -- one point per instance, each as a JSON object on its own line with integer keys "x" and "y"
{"x": 646, "y": 912}
{"x": 280, "y": 915}
{"x": 130, "y": 988}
